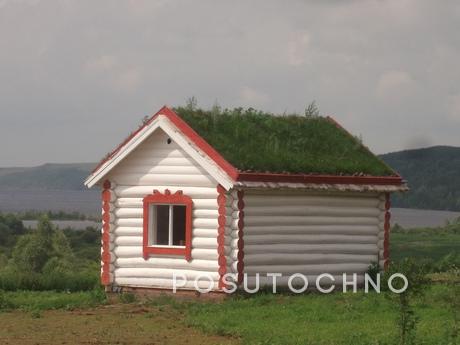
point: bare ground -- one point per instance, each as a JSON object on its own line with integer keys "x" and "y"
{"x": 113, "y": 324}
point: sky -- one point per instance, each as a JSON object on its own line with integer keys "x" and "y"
{"x": 77, "y": 76}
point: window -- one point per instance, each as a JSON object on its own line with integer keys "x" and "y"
{"x": 167, "y": 224}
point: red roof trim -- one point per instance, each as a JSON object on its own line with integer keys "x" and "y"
{"x": 327, "y": 179}
{"x": 252, "y": 177}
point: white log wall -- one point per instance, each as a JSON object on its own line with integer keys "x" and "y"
{"x": 311, "y": 234}
{"x": 155, "y": 164}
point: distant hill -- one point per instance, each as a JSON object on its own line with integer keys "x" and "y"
{"x": 433, "y": 174}
{"x": 46, "y": 177}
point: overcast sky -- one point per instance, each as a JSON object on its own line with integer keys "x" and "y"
{"x": 77, "y": 76}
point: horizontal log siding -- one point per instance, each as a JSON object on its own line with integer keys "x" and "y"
{"x": 311, "y": 234}
{"x": 159, "y": 165}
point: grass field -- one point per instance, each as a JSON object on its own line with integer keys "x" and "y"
{"x": 423, "y": 244}
{"x": 313, "y": 318}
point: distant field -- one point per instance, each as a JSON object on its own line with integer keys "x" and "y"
{"x": 83, "y": 201}
{"x": 62, "y": 224}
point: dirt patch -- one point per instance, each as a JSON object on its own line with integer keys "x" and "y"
{"x": 114, "y": 324}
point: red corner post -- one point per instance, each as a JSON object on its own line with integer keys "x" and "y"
{"x": 222, "y": 261}
{"x": 105, "y": 255}
{"x": 386, "y": 239}
{"x": 240, "y": 264}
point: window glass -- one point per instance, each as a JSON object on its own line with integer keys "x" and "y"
{"x": 178, "y": 225}
{"x": 161, "y": 220}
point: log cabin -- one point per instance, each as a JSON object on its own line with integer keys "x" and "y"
{"x": 240, "y": 192}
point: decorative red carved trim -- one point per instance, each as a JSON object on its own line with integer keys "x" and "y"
{"x": 178, "y": 198}
{"x": 237, "y": 175}
{"x": 386, "y": 240}
{"x": 240, "y": 263}
{"x": 105, "y": 240}
{"x": 221, "y": 219}
{"x": 328, "y": 179}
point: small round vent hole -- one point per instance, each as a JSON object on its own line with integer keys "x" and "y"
{"x": 169, "y": 141}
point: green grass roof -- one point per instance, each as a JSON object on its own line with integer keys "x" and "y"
{"x": 255, "y": 141}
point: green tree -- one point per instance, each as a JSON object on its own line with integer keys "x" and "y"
{"x": 29, "y": 254}
{"x": 33, "y": 251}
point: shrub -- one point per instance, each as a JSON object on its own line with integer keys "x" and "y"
{"x": 417, "y": 281}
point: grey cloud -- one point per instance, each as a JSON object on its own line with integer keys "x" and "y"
{"x": 77, "y": 76}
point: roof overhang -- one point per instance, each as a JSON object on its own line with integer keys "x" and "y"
{"x": 348, "y": 187}
{"x": 322, "y": 182}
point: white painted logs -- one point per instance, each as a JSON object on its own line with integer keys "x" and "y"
{"x": 309, "y": 220}
{"x": 335, "y": 248}
{"x": 304, "y": 210}
{"x": 277, "y": 199}
{"x": 134, "y": 191}
{"x": 306, "y": 258}
{"x": 310, "y": 234}
{"x": 165, "y": 179}
{"x": 164, "y": 283}
{"x": 161, "y": 262}
{"x": 314, "y": 229}
{"x": 298, "y": 283}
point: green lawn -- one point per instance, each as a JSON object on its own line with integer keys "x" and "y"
{"x": 320, "y": 319}
{"x": 47, "y": 300}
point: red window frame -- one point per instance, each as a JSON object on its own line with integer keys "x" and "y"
{"x": 178, "y": 198}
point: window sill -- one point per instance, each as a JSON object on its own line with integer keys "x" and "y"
{"x": 166, "y": 250}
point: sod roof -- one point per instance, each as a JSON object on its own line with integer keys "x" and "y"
{"x": 254, "y": 141}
